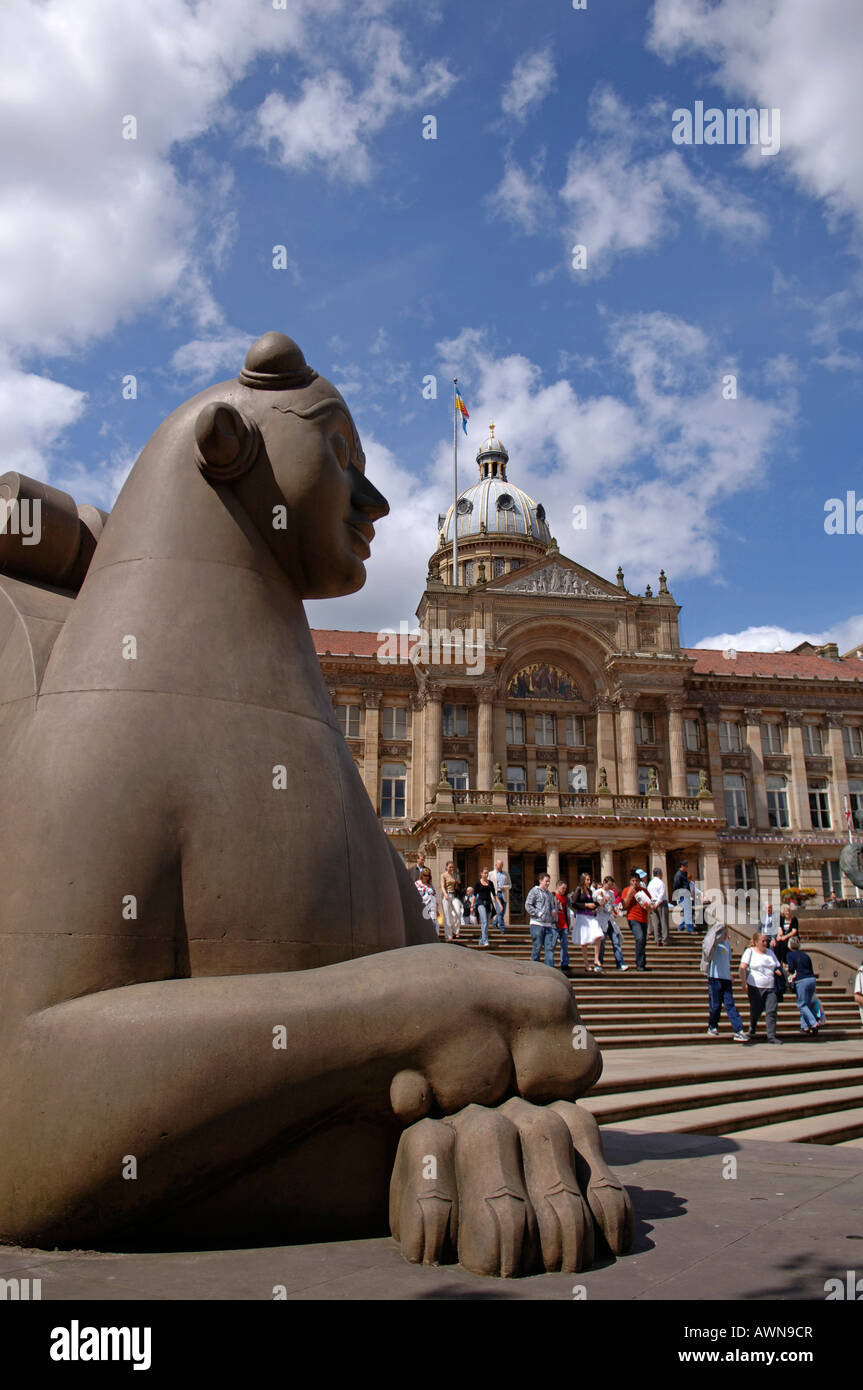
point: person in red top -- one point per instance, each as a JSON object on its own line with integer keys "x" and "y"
{"x": 562, "y": 925}
{"x": 636, "y": 901}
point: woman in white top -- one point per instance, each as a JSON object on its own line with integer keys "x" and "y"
{"x": 759, "y": 969}
{"x": 586, "y": 931}
{"x": 425, "y": 888}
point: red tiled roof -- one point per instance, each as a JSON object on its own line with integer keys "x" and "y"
{"x": 707, "y": 662}
{"x": 344, "y": 643}
{"x": 783, "y": 664}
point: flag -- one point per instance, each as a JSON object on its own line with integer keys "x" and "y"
{"x": 462, "y": 408}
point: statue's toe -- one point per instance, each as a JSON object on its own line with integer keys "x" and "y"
{"x": 423, "y": 1194}
{"x": 563, "y": 1219}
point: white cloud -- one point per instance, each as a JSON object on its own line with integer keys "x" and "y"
{"x": 95, "y": 228}
{"x": 532, "y": 80}
{"x": 801, "y": 57}
{"x": 770, "y": 638}
{"x": 521, "y": 199}
{"x": 623, "y": 198}
{"x": 35, "y": 412}
{"x": 200, "y": 359}
{"x": 667, "y": 445}
{"x": 652, "y": 464}
{"x": 330, "y": 122}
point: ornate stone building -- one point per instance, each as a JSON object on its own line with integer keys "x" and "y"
{"x": 550, "y": 718}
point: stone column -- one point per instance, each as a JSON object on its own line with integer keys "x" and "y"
{"x": 798, "y": 799}
{"x": 606, "y": 861}
{"x": 628, "y": 774}
{"x": 756, "y": 760}
{"x": 838, "y": 782}
{"x": 371, "y": 762}
{"x": 676, "y": 745}
{"x": 498, "y": 725}
{"x": 714, "y": 757}
{"x": 710, "y": 869}
{"x": 606, "y": 755}
{"x": 484, "y": 738}
{"x": 416, "y": 780}
{"x": 552, "y": 856}
{"x": 432, "y": 739}
{"x": 658, "y": 861}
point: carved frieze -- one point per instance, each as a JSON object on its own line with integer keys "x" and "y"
{"x": 556, "y": 581}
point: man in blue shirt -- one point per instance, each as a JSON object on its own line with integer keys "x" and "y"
{"x": 716, "y": 964}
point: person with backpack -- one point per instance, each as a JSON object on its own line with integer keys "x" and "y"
{"x": 716, "y": 965}
{"x": 636, "y": 904}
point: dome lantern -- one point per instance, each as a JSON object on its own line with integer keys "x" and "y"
{"x": 492, "y": 457}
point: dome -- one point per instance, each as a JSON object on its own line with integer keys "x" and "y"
{"x": 499, "y": 506}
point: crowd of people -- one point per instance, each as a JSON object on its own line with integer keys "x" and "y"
{"x": 593, "y": 914}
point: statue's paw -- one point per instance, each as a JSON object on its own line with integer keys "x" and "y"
{"x": 563, "y": 1219}
{"x": 497, "y": 1231}
{"x": 423, "y": 1195}
{"x": 606, "y": 1195}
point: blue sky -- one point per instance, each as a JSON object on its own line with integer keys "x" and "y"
{"x": 406, "y": 256}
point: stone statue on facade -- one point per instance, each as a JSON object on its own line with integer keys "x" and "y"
{"x": 174, "y": 987}
{"x": 703, "y": 788}
{"x": 550, "y": 778}
{"x": 603, "y": 780}
{"x": 653, "y": 784}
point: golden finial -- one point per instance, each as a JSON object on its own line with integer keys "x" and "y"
{"x": 491, "y": 429}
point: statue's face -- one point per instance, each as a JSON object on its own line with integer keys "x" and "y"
{"x": 318, "y": 467}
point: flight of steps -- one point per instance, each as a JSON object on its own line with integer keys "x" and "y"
{"x": 668, "y": 1003}
{"x": 817, "y": 1101}
{"x": 809, "y": 1092}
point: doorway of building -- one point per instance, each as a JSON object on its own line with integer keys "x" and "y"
{"x": 516, "y": 897}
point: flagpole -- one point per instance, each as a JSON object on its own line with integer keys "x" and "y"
{"x": 454, "y": 482}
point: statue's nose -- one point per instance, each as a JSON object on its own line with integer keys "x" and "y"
{"x": 367, "y": 499}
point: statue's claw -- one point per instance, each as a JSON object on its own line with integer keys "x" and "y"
{"x": 606, "y": 1195}
{"x": 564, "y": 1222}
{"x": 423, "y": 1194}
{"x": 497, "y": 1226}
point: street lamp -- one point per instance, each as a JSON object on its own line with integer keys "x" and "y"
{"x": 795, "y": 852}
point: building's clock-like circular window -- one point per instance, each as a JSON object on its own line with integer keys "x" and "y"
{"x": 540, "y": 512}
{"x": 505, "y": 503}
{"x": 465, "y": 507}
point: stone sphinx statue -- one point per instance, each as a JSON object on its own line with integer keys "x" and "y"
{"x": 213, "y": 961}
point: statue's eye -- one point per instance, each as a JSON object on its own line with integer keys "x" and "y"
{"x": 341, "y": 449}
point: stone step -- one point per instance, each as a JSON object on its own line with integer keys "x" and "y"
{"x": 674, "y": 1067}
{"x": 666, "y": 1038}
{"x": 833, "y": 1127}
{"x": 640, "y": 1012}
{"x": 664, "y": 1100}
{"x": 745, "y": 1114}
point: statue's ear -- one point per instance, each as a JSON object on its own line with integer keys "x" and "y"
{"x": 228, "y": 442}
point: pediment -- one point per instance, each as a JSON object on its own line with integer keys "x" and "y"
{"x": 556, "y": 579}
